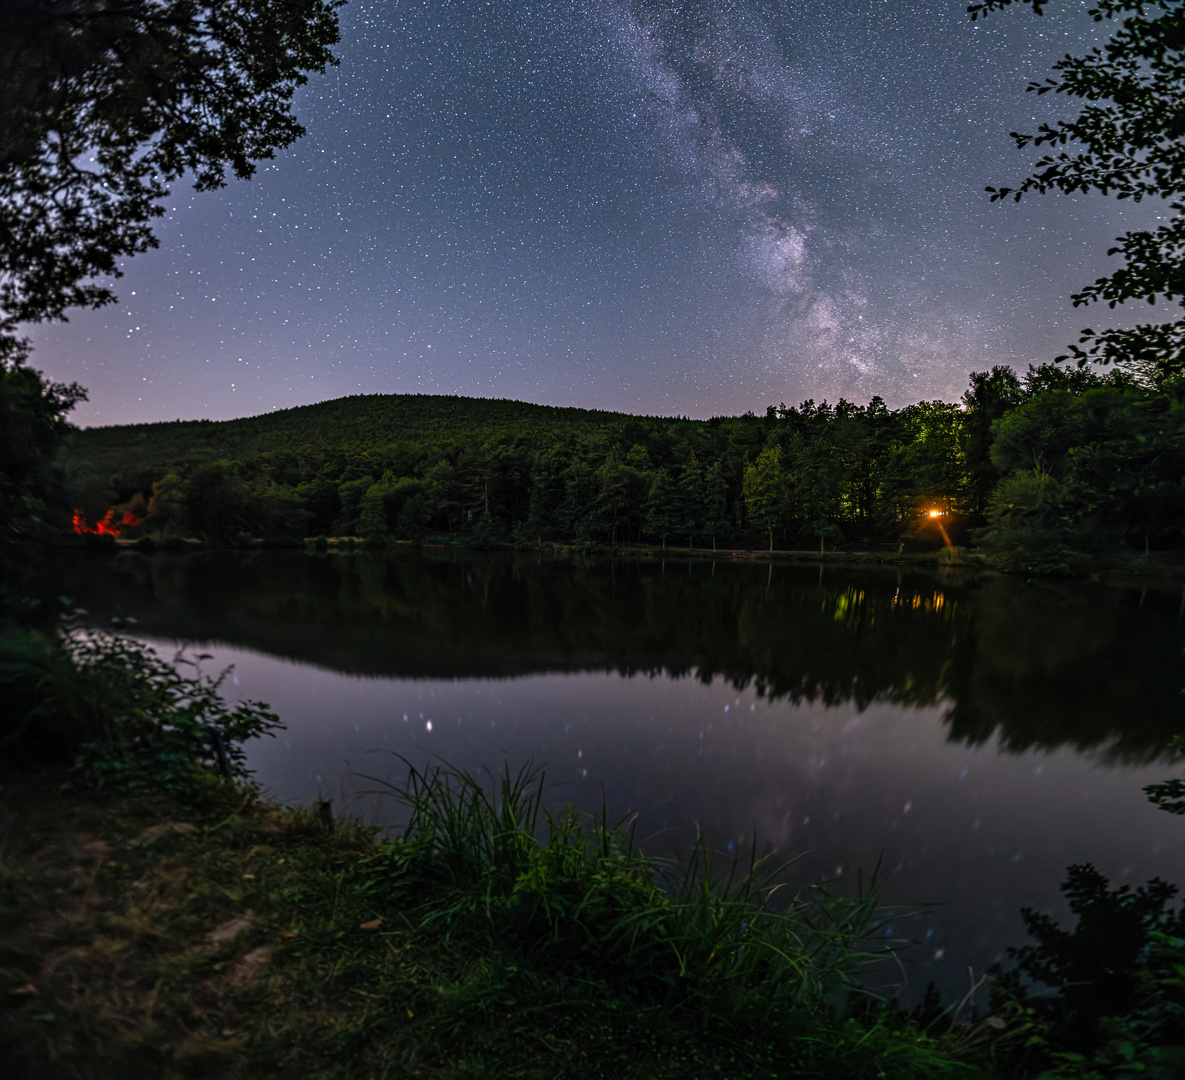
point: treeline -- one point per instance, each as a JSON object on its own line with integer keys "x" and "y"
{"x": 1047, "y": 470}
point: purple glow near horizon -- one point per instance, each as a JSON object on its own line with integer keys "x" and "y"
{"x": 670, "y": 208}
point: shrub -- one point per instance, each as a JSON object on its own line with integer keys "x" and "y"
{"x": 126, "y": 716}
{"x": 1032, "y": 524}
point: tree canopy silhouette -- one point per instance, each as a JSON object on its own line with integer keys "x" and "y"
{"x": 1129, "y": 140}
{"x": 104, "y": 103}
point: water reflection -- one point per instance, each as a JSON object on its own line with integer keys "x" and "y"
{"x": 977, "y": 734}
{"x": 1033, "y": 664}
{"x": 973, "y": 830}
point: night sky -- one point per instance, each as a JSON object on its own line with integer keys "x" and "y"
{"x": 658, "y": 207}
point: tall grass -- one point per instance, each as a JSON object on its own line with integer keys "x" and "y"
{"x": 493, "y": 936}
{"x": 554, "y": 925}
{"x": 493, "y": 863}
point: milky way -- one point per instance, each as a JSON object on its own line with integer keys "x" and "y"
{"x": 687, "y": 208}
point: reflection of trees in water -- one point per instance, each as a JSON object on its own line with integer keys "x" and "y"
{"x": 1038, "y": 664}
{"x": 1084, "y": 666}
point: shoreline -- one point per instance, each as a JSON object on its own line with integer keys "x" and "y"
{"x": 227, "y": 936}
{"x": 159, "y": 917}
{"x": 1159, "y": 568}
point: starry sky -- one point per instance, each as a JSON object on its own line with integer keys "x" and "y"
{"x": 690, "y": 208}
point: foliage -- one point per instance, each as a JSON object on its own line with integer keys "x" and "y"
{"x": 500, "y": 863}
{"x": 384, "y": 510}
{"x": 32, "y": 424}
{"x": 663, "y": 515}
{"x": 990, "y": 396}
{"x": 489, "y": 473}
{"x": 1088, "y": 471}
{"x": 345, "y": 984}
{"x": 572, "y": 924}
{"x": 1130, "y": 142}
{"x": 1118, "y": 1007}
{"x": 408, "y": 467}
{"x": 766, "y": 486}
{"x": 104, "y": 106}
{"x": 932, "y": 454}
{"x": 219, "y": 503}
{"x": 1098, "y": 968}
{"x": 1118, "y": 982}
{"x": 1032, "y": 527}
{"x": 624, "y": 491}
{"x": 128, "y": 718}
{"x": 1170, "y": 795}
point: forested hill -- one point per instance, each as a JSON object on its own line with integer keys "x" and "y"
{"x": 1055, "y": 469}
{"x": 355, "y": 424}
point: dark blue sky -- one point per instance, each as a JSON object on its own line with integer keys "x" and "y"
{"x": 690, "y": 208}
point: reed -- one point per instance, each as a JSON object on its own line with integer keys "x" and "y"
{"x": 565, "y": 916}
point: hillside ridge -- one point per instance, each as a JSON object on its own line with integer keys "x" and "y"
{"x": 398, "y": 401}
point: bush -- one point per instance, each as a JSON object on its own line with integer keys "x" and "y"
{"x": 1032, "y": 525}
{"x": 125, "y": 716}
{"x": 1118, "y": 1006}
{"x": 32, "y": 424}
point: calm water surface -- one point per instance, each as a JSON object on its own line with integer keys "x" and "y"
{"x": 975, "y": 734}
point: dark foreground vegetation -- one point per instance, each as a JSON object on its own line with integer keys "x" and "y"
{"x": 162, "y": 919}
{"x": 1053, "y": 472}
{"x": 157, "y": 918}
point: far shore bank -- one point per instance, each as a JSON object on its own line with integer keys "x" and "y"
{"x": 1154, "y": 568}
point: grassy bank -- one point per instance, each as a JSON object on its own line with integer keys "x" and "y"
{"x": 159, "y": 918}
{"x": 225, "y": 937}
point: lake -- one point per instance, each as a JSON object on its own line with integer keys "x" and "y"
{"x": 974, "y": 733}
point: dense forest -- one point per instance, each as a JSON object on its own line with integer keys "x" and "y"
{"x": 1045, "y": 472}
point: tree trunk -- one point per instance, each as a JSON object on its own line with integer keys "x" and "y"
{"x": 821, "y": 551}
{"x": 771, "y": 541}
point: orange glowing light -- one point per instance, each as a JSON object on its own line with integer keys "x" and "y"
{"x": 936, "y": 513}
{"x": 108, "y": 525}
